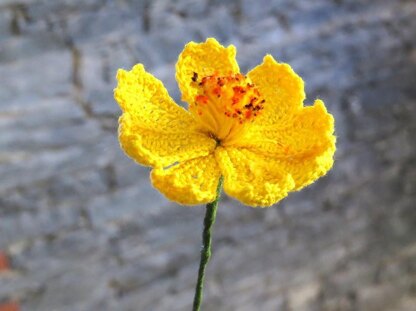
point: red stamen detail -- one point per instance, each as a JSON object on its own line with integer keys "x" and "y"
{"x": 239, "y": 99}
{"x": 217, "y": 91}
{"x": 201, "y": 99}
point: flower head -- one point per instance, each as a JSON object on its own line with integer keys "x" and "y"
{"x": 252, "y": 129}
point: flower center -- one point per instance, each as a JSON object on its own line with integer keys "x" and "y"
{"x": 224, "y": 105}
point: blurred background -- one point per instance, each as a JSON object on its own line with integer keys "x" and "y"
{"x": 81, "y": 227}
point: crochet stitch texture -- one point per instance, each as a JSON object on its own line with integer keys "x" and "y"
{"x": 254, "y": 130}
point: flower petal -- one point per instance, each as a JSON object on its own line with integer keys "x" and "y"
{"x": 305, "y": 147}
{"x": 311, "y": 129}
{"x": 204, "y": 59}
{"x": 305, "y": 171}
{"x": 282, "y": 89}
{"x": 153, "y": 130}
{"x": 251, "y": 178}
{"x": 191, "y": 182}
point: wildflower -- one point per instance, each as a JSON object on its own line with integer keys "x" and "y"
{"x": 251, "y": 129}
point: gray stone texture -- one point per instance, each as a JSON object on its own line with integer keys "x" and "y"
{"x": 81, "y": 223}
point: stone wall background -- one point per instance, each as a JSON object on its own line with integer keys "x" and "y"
{"x": 84, "y": 230}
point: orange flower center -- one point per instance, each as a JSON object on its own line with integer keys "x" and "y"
{"x": 224, "y": 105}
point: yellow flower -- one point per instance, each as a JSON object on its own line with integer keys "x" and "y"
{"x": 253, "y": 129}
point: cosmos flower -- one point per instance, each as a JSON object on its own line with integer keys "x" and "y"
{"x": 251, "y": 129}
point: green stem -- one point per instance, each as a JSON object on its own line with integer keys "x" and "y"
{"x": 209, "y": 220}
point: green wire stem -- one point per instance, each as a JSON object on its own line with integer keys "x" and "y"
{"x": 209, "y": 220}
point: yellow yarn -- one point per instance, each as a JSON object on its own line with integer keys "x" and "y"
{"x": 153, "y": 130}
{"x": 191, "y": 182}
{"x": 205, "y": 59}
{"x": 253, "y": 130}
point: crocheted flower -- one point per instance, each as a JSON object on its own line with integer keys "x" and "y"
{"x": 252, "y": 129}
